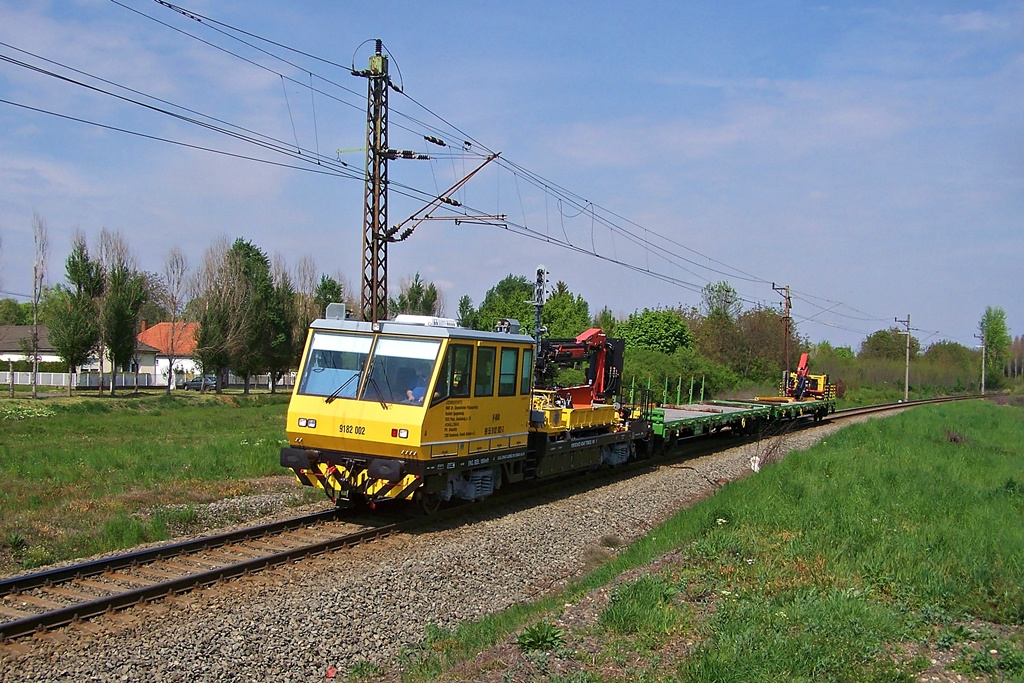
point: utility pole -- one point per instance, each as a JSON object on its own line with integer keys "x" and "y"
{"x": 375, "y": 206}
{"x": 982, "y": 338}
{"x": 786, "y": 321}
{"x": 906, "y": 377}
{"x": 376, "y": 233}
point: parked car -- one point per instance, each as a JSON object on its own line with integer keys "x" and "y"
{"x": 201, "y": 382}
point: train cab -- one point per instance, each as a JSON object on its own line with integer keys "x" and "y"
{"x": 416, "y": 408}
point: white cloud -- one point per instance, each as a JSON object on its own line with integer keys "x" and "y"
{"x": 39, "y": 178}
{"x": 977, "y": 22}
{"x": 790, "y": 120}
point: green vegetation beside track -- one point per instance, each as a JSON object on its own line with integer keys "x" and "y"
{"x": 893, "y": 547}
{"x": 86, "y": 475}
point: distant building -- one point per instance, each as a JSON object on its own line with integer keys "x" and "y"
{"x": 11, "y": 348}
{"x": 12, "y": 337}
{"x": 158, "y": 337}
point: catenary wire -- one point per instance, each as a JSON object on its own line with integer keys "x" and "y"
{"x": 547, "y": 186}
{"x": 537, "y": 180}
{"x": 271, "y": 146}
{"x": 173, "y": 142}
{"x": 196, "y": 17}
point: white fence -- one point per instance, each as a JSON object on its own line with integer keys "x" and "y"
{"x": 87, "y": 380}
{"x": 90, "y": 380}
{"x": 82, "y": 380}
{"x": 43, "y": 379}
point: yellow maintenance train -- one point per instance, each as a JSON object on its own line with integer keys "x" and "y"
{"x": 419, "y": 408}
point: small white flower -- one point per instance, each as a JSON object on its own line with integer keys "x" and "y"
{"x": 721, "y": 521}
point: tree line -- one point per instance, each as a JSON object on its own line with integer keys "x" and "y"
{"x": 253, "y": 313}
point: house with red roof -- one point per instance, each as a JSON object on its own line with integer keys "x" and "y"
{"x": 13, "y": 339}
{"x": 175, "y": 341}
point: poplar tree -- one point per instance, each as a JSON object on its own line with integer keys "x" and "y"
{"x": 995, "y": 336}
{"x": 467, "y": 313}
{"x": 256, "y": 313}
{"x": 126, "y": 293}
{"x": 214, "y": 306}
{"x": 172, "y": 297}
{"x": 74, "y": 325}
{"x": 282, "y": 315}
{"x": 41, "y": 243}
{"x": 510, "y": 298}
{"x": 328, "y": 291}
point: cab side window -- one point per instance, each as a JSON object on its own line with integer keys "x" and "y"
{"x": 455, "y": 373}
{"x": 526, "y": 376}
{"x": 507, "y": 376}
{"x": 484, "y": 382}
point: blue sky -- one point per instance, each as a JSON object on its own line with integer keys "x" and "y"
{"x": 869, "y": 155}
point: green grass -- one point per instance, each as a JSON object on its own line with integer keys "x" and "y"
{"x": 643, "y": 608}
{"x": 541, "y": 636}
{"x": 874, "y": 395}
{"x": 77, "y": 471}
{"x": 828, "y": 566}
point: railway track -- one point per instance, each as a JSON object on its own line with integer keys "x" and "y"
{"x": 64, "y": 595}
{"x": 883, "y": 407}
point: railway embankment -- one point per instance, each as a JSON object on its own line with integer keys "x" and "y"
{"x": 889, "y": 551}
{"x": 457, "y": 602}
{"x": 91, "y": 475}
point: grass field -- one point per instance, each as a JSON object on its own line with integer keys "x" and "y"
{"x": 866, "y": 396}
{"x": 895, "y": 544}
{"x": 86, "y": 475}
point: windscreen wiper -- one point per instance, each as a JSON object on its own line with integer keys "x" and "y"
{"x": 387, "y": 382}
{"x": 380, "y": 394}
{"x": 337, "y": 392}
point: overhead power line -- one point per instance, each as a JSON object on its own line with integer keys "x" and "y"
{"x": 673, "y": 253}
{"x": 468, "y": 141}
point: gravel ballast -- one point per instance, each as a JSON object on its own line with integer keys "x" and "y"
{"x": 372, "y": 603}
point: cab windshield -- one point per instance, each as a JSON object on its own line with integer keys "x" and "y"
{"x": 350, "y": 366}
{"x": 400, "y": 370}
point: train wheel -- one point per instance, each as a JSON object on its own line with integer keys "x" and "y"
{"x": 428, "y": 502}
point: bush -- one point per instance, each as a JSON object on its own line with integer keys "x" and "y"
{"x": 26, "y": 366}
{"x": 541, "y": 636}
{"x": 641, "y": 364}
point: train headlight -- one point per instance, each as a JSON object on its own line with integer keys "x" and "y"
{"x": 400, "y": 433}
{"x": 307, "y": 422}
{"x": 302, "y": 422}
